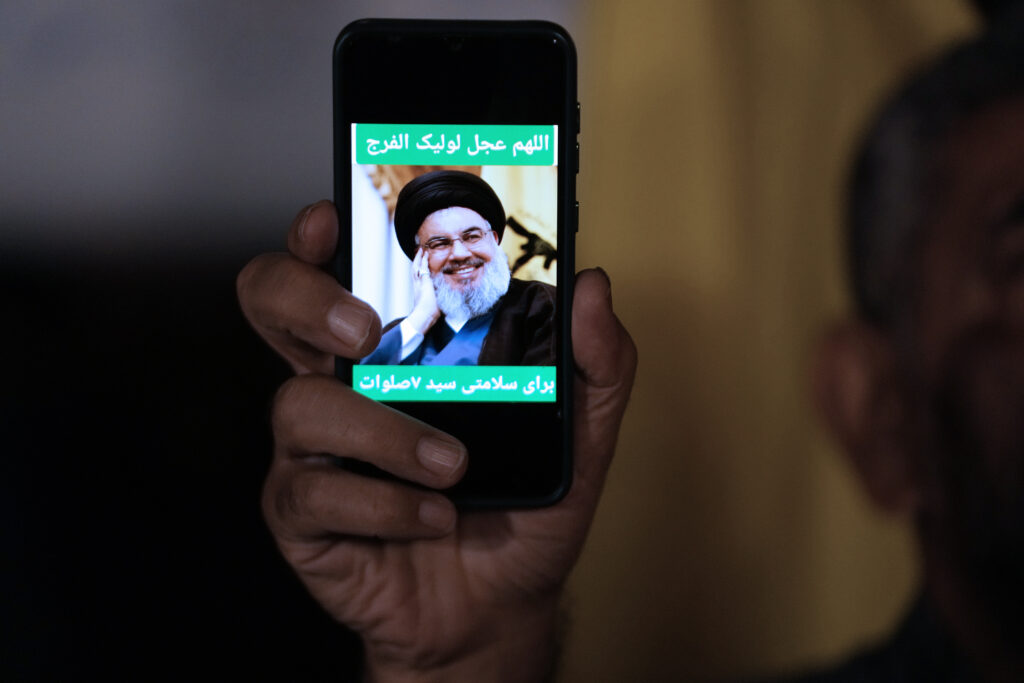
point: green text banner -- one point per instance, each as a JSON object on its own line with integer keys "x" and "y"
{"x": 454, "y": 145}
{"x": 535, "y": 384}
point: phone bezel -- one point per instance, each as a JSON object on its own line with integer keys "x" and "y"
{"x": 486, "y": 68}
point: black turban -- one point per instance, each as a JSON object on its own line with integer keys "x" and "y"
{"x": 430, "y": 192}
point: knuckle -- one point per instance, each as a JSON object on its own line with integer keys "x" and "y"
{"x": 253, "y": 276}
{"x": 301, "y": 408}
{"x": 389, "y": 510}
{"x": 288, "y": 406}
{"x": 295, "y": 500}
{"x": 279, "y": 503}
{"x": 390, "y": 441}
{"x": 244, "y": 281}
{"x": 298, "y": 505}
{"x": 268, "y": 500}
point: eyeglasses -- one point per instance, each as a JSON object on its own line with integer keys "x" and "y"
{"x": 470, "y": 238}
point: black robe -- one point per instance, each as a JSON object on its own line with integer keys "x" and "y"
{"x": 522, "y": 332}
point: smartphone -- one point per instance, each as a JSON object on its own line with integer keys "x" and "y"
{"x": 455, "y": 162}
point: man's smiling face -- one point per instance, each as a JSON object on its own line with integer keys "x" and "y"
{"x": 459, "y": 243}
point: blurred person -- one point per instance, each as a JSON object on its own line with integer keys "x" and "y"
{"x": 923, "y": 387}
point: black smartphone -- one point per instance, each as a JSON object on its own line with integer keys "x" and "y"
{"x": 455, "y": 161}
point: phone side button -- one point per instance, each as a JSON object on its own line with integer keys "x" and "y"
{"x": 577, "y": 118}
{"x": 577, "y": 217}
{"x": 577, "y": 158}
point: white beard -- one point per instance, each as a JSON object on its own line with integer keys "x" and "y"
{"x": 474, "y": 300}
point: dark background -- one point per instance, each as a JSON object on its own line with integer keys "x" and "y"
{"x": 135, "y": 442}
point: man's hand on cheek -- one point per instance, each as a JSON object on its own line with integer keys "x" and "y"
{"x": 425, "y": 311}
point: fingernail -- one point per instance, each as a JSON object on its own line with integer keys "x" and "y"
{"x": 349, "y": 323}
{"x": 440, "y": 456}
{"x": 436, "y": 514}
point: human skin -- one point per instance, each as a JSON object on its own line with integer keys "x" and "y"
{"x": 434, "y": 594}
{"x": 425, "y": 310}
{"x": 461, "y": 266}
{"x": 930, "y": 411}
{"x": 969, "y": 327}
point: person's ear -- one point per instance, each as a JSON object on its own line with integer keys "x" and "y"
{"x": 858, "y": 393}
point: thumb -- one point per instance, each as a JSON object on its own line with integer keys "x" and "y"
{"x": 606, "y": 360}
{"x": 603, "y": 350}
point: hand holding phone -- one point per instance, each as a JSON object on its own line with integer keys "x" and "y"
{"x": 456, "y": 598}
{"x": 434, "y": 592}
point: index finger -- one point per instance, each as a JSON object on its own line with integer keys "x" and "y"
{"x": 316, "y": 415}
{"x": 304, "y": 314}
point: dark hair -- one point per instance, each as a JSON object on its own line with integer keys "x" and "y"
{"x": 889, "y": 184}
{"x": 430, "y": 192}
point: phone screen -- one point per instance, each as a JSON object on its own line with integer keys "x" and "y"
{"x": 455, "y": 190}
{"x": 493, "y": 286}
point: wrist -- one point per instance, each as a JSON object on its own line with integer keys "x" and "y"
{"x": 422, "y": 321}
{"x": 519, "y": 645}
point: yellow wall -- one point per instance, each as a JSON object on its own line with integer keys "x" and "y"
{"x": 731, "y": 538}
